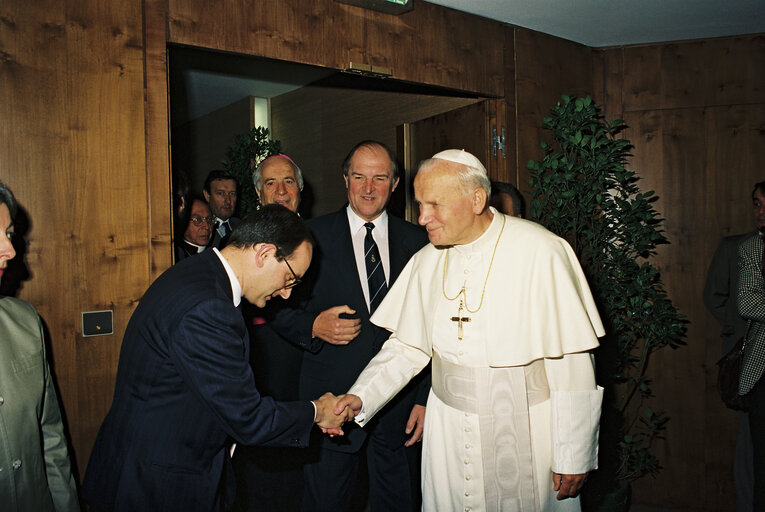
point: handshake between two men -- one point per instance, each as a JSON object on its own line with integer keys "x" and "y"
{"x": 333, "y": 411}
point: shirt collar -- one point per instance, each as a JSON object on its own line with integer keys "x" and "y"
{"x": 488, "y": 238}
{"x": 357, "y": 223}
{"x": 236, "y": 288}
{"x": 199, "y": 248}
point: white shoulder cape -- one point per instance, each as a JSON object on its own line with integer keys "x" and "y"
{"x": 539, "y": 302}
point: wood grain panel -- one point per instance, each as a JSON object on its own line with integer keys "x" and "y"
{"x": 545, "y": 68}
{"x": 431, "y": 44}
{"x": 608, "y": 81}
{"x": 725, "y": 71}
{"x": 507, "y": 114}
{"x": 697, "y": 115}
{"x": 702, "y": 163}
{"x": 72, "y": 149}
{"x": 157, "y": 137}
{"x": 435, "y": 45}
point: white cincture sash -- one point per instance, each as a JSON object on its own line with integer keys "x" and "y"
{"x": 501, "y": 398}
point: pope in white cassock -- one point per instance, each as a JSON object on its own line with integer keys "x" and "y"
{"x": 501, "y": 307}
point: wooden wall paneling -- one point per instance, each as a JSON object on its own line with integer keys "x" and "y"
{"x": 545, "y": 67}
{"x": 613, "y": 80}
{"x": 158, "y": 176}
{"x": 306, "y": 31}
{"x": 318, "y": 126}
{"x": 467, "y": 128}
{"x": 723, "y": 71}
{"x": 607, "y": 80}
{"x": 71, "y": 82}
{"x": 508, "y": 113}
{"x": 702, "y": 162}
{"x": 431, "y": 44}
{"x": 435, "y": 45}
{"x": 668, "y": 155}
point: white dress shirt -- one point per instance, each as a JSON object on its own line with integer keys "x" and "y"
{"x": 380, "y": 234}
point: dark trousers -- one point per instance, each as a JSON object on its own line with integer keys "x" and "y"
{"x": 268, "y": 479}
{"x": 757, "y": 427}
{"x": 330, "y": 478}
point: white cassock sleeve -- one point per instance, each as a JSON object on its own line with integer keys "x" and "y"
{"x": 385, "y": 375}
{"x": 575, "y": 402}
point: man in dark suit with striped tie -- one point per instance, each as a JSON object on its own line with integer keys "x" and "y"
{"x": 360, "y": 250}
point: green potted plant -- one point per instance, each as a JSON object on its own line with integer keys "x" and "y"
{"x": 582, "y": 191}
{"x": 248, "y": 150}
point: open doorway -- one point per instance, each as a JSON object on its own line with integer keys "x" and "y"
{"x": 316, "y": 113}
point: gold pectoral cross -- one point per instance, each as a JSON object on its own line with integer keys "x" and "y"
{"x": 459, "y": 319}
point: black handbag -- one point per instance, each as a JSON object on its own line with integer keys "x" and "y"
{"x": 729, "y": 374}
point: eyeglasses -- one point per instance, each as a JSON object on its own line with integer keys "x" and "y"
{"x": 295, "y": 279}
{"x": 197, "y": 220}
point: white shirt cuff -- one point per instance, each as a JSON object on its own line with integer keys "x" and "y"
{"x": 575, "y": 430}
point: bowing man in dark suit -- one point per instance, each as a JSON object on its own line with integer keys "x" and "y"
{"x": 185, "y": 391}
{"x": 332, "y": 325}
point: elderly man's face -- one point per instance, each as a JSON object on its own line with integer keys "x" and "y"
{"x": 7, "y": 252}
{"x": 199, "y": 230}
{"x": 449, "y": 213}
{"x": 758, "y": 206}
{"x": 279, "y": 184}
{"x": 222, "y": 198}
{"x": 370, "y": 182}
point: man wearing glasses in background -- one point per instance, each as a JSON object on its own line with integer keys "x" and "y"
{"x": 185, "y": 392}
{"x": 198, "y": 233}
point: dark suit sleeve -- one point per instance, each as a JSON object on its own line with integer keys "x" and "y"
{"x": 423, "y": 387}
{"x": 209, "y": 350}
{"x": 717, "y": 290}
{"x": 295, "y": 324}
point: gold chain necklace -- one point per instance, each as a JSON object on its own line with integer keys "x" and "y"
{"x": 462, "y": 290}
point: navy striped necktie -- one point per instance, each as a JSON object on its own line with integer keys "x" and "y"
{"x": 375, "y": 273}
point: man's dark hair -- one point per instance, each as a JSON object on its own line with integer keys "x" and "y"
{"x": 6, "y": 198}
{"x": 519, "y": 204}
{"x": 758, "y": 187}
{"x": 272, "y": 224}
{"x": 370, "y": 144}
{"x": 218, "y": 175}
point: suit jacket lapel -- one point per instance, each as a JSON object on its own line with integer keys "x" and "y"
{"x": 396, "y": 251}
{"x": 346, "y": 261}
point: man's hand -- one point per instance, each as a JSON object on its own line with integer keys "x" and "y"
{"x": 348, "y": 404}
{"x": 415, "y": 424}
{"x": 335, "y": 330}
{"x": 568, "y": 485}
{"x": 326, "y": 418}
